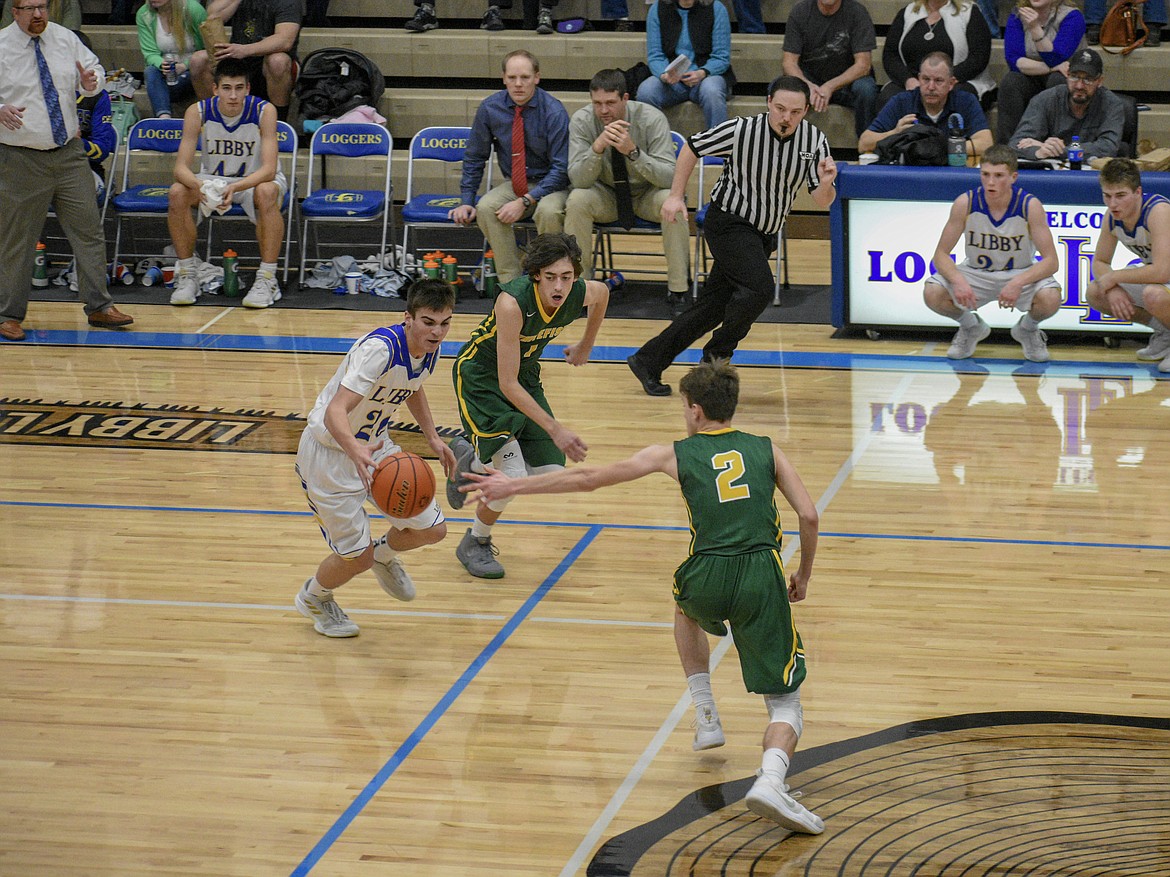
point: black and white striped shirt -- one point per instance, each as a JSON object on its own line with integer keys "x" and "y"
{"x": 762, "y": 172}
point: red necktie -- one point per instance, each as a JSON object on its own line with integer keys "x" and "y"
{"x": 519, "y": 166}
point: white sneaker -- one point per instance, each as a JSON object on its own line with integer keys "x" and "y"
{"x": 394, "y": 579}
{"x": 708, "y": 730}
{"x": 1164, "y": 365}
{"x": 186, "y": 289}
{"x": 1158, "y": 348}
{"x": 1034, "y": 342}
{"x": 264, "y": 293}
{"x": 329, "y": 619}
{"x": 965, "y": 340}
{"x": 773, "y": 802}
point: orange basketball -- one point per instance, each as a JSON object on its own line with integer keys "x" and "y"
{"x": 404, "y": 485}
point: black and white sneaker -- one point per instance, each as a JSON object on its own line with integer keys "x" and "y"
{"x": 492, "y": 19}
{"x": 424, "y": 19}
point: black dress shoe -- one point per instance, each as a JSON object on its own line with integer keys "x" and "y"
{"x": 650, "y": 383}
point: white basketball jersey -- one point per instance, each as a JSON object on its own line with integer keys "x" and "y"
{"x": 377, "y": 367}
{"x": 998, "y": 245}
{"x": 1138, "y": 241}
{"x": 231, "y": 147}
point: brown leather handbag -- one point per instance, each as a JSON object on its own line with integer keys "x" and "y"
{"x": 1123, "y": 30}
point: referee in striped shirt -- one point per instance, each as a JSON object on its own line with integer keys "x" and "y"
{"x": 766, "y": 159}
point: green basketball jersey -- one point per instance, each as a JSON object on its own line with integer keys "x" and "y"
{"x": 537, "y": 331}
{"x": 728, "y": 481}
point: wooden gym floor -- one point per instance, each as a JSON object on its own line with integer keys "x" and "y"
{"x": 989, "y": 605}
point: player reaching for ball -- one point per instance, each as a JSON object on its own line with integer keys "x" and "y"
{"x": 734, "y": 573}
{"x": 346, "y": 437}
{"x": 497, "y": 383}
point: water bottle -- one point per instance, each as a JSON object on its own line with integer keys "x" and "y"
{"x": 170, "y": 59}
{"x": 491, "y": 280}
{"x": 40, "y": 277}
{"x": 1076, "y": 155}
{"x": 450, "y": 269}
{"x": 231, "y": 274}
{"x": 431, "y": 270}
{"x": 956, "y": 141}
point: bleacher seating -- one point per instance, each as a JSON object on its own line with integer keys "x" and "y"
{"x": 441, "y": 76}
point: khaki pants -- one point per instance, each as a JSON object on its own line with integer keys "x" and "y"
{"x": 549, "y": 215}
{"x": 599, "y": 204}
{"x": 31, "y": 180}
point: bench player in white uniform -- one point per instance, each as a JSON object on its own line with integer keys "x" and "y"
{"x": 1002, "y": 228}
{"x": 240, "y": 147}
{"x": 1140, "y": 293}
{"x": 347, "y": 436}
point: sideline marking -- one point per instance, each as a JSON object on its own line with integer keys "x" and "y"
{"x": 439, "y": 710}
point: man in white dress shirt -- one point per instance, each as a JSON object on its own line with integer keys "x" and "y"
{"x": 43, "y": 162}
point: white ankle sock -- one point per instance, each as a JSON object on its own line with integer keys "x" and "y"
{"x": 315, "y": 588}
{"x": 266, "y": 269}
{"x": 775, "y": 765}
{"x": 701, "y": 694}
{"x": 186, "y": 266}
{"x": 969, "y": 320}
{"x": 1028, "y": 322}
{"x": 480, "y": 530}
{"x": 383, "y": 553}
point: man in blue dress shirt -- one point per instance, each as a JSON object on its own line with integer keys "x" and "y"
{"x": 536, "y": 171}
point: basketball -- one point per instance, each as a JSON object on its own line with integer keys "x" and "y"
{"x": 404, "y": 485}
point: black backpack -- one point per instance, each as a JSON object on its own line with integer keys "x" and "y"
{"x": 918, "y": 145}
{"x": 334, "y": 81}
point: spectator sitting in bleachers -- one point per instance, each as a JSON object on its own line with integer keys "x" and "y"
{"x": 1153, "y": 14}
{"x": 700, "y": 30}
{"x": 169, "y": 28}
{"x": 829, "y": 44}
{"x": 1082, "y": 106}
{"x": 264, "y": 36}
{"x": 930, "y": 103}
{"x": 537, "y": 177}
{"x": 923, "y": 27}
{"x": 66, "y": 13}
{"x": 1040, "y": 37}
{"x": 616, "y": 144}
{"x": 426, "y": 19}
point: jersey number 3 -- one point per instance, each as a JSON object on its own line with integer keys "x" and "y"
{"x": 730, "y": 466}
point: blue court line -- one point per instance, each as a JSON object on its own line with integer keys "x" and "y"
{"x": 609, "y": 354}
{"x": 411, "y": 742}
{"x": 658, "y": 528}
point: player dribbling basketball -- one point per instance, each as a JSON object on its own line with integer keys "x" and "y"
{"x": 347, "y": 436}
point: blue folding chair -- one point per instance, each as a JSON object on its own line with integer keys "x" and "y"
{"x": 603, "y": 232}
{"x": 142, "y": 194}
{"x": 286, "y": 145}
{"x": 348, "y": 140}
{"x": 428, "y": 210}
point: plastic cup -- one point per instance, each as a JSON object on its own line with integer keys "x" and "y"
{"x": 353, "y": 281}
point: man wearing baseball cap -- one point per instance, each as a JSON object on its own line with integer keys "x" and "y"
{"x": 1081, "y": 107}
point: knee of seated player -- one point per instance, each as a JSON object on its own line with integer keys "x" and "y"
{"x": 1156, "y": 297}
{"x": 265, "y": 196}
{"x": 1096, "y": 297}
{"x": 1046, "y": 300}
{"x": 181, "y": 196}
{"x": 936, "y": 296}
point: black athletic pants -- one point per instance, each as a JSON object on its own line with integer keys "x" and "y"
{"x": 738, "y": 289}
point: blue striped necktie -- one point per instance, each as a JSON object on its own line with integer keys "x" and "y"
{"x": 52, "y": 104}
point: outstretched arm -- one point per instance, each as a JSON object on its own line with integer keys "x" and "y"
{"x": 580, "y": 479}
